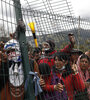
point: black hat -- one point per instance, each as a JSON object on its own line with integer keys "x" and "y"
{"x": 74, "y": 51}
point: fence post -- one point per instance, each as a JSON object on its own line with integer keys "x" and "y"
{"x": 29, "y": 94}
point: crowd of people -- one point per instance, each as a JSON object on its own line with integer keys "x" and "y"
{"x": 63, "y": 74}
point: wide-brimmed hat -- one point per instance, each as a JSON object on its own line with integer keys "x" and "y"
{"x": 76, "y": 51}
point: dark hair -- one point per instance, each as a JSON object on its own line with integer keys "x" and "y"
{"x": 85, "y": 56}
{"x": 44, "y": 69}
{"x": 36, "y": 50}
{"x": 51, "y": 43}
{"x": 62, "y": 56}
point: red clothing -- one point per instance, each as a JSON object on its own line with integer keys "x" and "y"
{"x": 53, "y": 52}
{"x": 67, "y": 48}
{"x": 13, "y": 93}
{"x": 49, "y": 60}
{"x": 71, "y": 82}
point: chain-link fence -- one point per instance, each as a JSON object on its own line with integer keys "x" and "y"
{"x": 53, "y": 20}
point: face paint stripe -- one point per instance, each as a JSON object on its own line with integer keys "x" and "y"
{"x": 10, "y": 45}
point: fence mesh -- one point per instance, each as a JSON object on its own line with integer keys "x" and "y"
{"x": 53, "y": 20}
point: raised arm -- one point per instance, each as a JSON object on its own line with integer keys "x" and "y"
{"x": 70, "y": 46}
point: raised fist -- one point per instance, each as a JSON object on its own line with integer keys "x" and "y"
{"x": 71, "y": 38}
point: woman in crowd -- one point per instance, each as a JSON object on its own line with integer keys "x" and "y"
{"x": 83, "y": 66}
{"x": 54, "y": 88}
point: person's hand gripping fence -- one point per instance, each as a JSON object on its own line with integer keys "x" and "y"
{"x": 36, "y": 81}
{"x": 74, "y": 68}
{"x": 20, "y": 28}
{"x": 42, "y": 82}
{"x": 21, "y": 25}
{"x": 59, "y": 87}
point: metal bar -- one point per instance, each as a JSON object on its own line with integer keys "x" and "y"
{"x": 29, "y": 94}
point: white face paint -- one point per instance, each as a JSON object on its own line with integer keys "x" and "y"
{"x": 14, "y": 56}
{"x": 16, "y": 74}
{"x": 16, "y": 79}
{"x": 13, "y": 50}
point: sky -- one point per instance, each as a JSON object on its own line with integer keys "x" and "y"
{"x": 81, "y": 8}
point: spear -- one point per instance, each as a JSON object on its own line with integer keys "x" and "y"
{"x": 31, "y": 25}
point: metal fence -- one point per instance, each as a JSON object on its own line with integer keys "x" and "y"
{"x": 53, "y": 20}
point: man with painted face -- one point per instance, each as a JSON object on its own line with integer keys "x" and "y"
{"x": 14, "y": 87}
